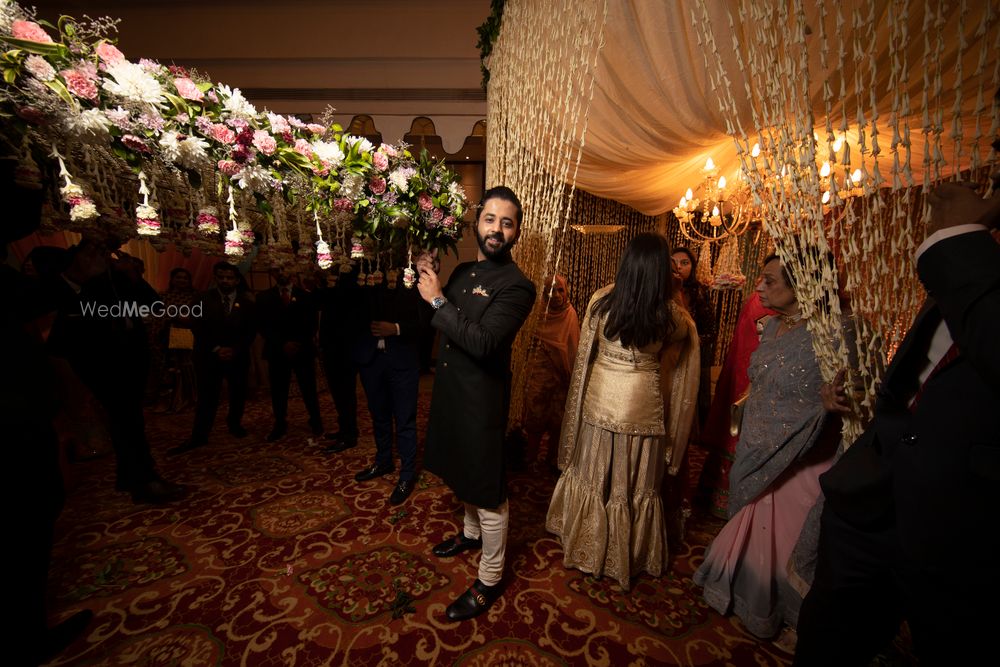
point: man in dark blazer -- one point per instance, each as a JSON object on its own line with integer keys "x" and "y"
{"x": 387, "y": 354}
{"x": 222, "y": 338}
{"x": 99, "y": 331}
{"x": 288, "y": 319}
{"x": 478, "y": 316}
{"x": 909, "y": 526}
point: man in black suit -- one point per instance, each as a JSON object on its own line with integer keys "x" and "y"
{"x": 387, "y": 354}
{"x": 222, "y": 338}
{"x": 478, "y": 316}
{"x": 99, "y": 331}
{"x": 336, "y": 338}
{"x": 909, "y": 523}
{"x": 288, "y": 320}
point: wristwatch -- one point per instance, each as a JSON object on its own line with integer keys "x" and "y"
{"x": 438, "y": 301}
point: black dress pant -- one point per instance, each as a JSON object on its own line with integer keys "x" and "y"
{"x": 391, "y": 386}
{"x": 342, "y": 378}
{"x": 120, "y": 391}
{"x": 279, "y": 370}
{"x": 210, "y": 372}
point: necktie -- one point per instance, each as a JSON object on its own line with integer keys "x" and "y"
{"x": 228, "y": 302}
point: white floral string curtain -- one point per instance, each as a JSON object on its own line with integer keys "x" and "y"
{"x": 541, "y": 83}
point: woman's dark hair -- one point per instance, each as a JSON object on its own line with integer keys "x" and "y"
{"x": 692, "y": 278}
{"x": 638, "y": 306}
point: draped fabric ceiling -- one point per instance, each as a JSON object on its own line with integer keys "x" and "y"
{"x": 655, "y": 119}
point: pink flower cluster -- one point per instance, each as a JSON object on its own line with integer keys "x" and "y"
{"x": 264, "y": 142}
{"x": 229, "y": 167}
{"x": 80, "y": 83}
{"x": 109, "y": 54}
{"x": 302, "y": 147}
{"x": 380, "y": 160}
{"x": 223, "y": 134}
{"x": 188, "y": 89}
{"x": 425, "y": 201}
{"x": 30, "y": 31}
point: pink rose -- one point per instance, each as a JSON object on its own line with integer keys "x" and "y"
{"x": 380, "y": 161}
{"x": 388, "y": 149}
{"x": 109, "y": 53}
{"x": 426, "y": 203}
{"x": 223, "y": 134}
{"x": 228, "y": 167}
{"x": 187, "y": 89}
{"x": 30, "y": 31}
{"x": 377, "y": 185}
{"x": 177, "y": 70}
{"x": 437, "y": 214}
{"x": 315, "y": 128}
{"x": 449, "y": 222}
{"x": 79, "y": 84}
{"x": 302, "y": 147}
{"x": 264, "y": 142}
{"x": 343, "y": 204}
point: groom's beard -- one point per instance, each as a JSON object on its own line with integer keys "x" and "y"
{"x": 495, "y": 252}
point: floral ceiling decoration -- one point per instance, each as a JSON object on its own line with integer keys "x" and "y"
{"x": 142, "y": 149}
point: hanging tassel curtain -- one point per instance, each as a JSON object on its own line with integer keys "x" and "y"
{"x": 541, "y": 84}
{"x": 813, "y": 85}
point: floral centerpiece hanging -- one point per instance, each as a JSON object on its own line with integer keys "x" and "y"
{"x": 67, "y": 84}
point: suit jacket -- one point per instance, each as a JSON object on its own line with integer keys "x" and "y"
{"x": 934, "y": 472}
{"x": 215, "y": 328}
{"x": 280, "y": 324}
{"x": 400, "y": 305}
{"x": 338, "y": 316}
{"x": 487, "y": 304}
{"x": 92, "y": 343}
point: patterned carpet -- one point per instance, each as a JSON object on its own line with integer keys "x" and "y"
{"x": 278, "y": 557}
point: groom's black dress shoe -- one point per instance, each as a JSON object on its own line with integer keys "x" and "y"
{"x": 456, "y": 545}
{"x": 473, "y": 602}
{"x": 401, "y": 492}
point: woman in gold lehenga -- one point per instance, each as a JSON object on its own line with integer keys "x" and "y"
{"x": 629, "y": 411}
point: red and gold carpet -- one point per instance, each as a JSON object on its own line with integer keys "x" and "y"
{"x": 278, "y": 557}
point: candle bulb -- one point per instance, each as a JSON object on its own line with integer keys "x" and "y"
{"x": 722, "y": 182}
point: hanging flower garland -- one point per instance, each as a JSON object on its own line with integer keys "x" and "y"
{"x": 68, "y": 84}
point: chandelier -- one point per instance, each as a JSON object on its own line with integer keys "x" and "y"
{"x": 715, "y": 209}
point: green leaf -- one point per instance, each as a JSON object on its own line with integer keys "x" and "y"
{"x": 204, "y": 86}
{"x": 60, "y": 89}
{"x": 10, "y": 75}
{"x": 177, "y": 102}
{"x": 52, "y": 50}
